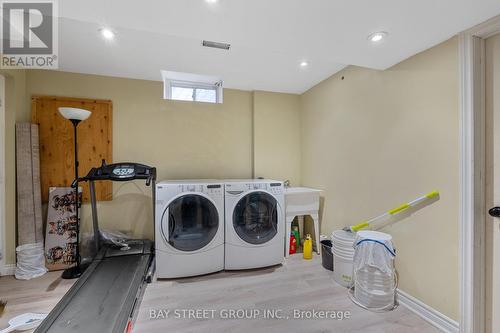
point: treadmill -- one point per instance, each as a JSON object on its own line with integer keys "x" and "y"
{"x": 107, "y": 296}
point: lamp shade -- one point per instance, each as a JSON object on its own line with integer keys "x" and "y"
{"x": 74, "y": 113}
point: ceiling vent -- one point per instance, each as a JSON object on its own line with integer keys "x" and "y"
{"x": 216, "y": 45}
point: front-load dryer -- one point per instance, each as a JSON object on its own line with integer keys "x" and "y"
{"x": 255, "y": 223}
{"x": 189, "y": 227}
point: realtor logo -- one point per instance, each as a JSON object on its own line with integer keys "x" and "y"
{"x": 29, "y": 34}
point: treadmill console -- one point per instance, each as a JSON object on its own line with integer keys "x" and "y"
{"x": 121, "y": 172}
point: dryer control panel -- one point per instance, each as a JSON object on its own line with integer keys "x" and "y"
{"x": 274, "y": 187}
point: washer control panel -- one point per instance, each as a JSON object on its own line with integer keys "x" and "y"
{"x": 202, "y": 188}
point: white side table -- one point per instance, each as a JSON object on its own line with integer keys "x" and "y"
{"x": 301, "y": 201}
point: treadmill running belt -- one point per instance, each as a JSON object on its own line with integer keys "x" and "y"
{"x": 102, "y": 299}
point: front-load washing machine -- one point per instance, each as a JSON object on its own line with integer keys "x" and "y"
{"x": 189, "y": 227}
{"x": 255, "y": 223}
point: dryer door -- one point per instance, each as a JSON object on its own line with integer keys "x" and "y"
{"x": 190, "y": 222}
{"x": 255, "y": 217}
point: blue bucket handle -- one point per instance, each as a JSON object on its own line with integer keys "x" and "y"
{"x": 393, "y": 253}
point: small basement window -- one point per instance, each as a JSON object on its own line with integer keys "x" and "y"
{"x": 192, "y": 87}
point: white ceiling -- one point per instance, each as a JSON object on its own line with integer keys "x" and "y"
{"x": 269, "y": 38}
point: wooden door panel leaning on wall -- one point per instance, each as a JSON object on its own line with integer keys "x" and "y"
{"x": 57, "y": 142}
{"x": 29, "y": 205}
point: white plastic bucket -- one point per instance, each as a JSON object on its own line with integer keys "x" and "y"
{"x": 343, "y": 236}
{"x": 343, "y": 246}
{"x": 343, "y": 240}
{"x": 30, "y": 261}
{"x": 343, "y": 254}
{"x": 342, "y": 270}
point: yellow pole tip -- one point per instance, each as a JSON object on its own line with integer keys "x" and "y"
{"x": 432, "y": 194}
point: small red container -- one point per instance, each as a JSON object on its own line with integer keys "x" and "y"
{"x": 293, "y": 244}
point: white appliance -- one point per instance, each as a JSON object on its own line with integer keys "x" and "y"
{"x": 255, "y": 223}
{"x": 189, "y": 226}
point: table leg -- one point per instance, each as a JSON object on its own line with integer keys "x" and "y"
{"x": 300, "y": 222}
{"x": 315, "y": 218}
{"x": 288, "y": 230}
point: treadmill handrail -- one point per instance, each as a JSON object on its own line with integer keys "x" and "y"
{"x": 104, "y": 172}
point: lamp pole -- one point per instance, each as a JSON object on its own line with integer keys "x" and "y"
{"x": 75, "y": 116}
{"x": 77, "y": 196}
{"x": 75, "y": 271}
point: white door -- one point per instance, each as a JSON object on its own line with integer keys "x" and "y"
{"x": 493, "y": 183}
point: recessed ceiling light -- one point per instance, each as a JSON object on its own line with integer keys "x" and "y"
{"x": 377, "y": 36}
{"x": 304, "y": 64}
{"x": 107, "y": 33}
{"x": 211, "y": 1}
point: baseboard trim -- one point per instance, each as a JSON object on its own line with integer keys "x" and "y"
{"x": 7, "y": 269}
{"x": 428, "y": 313}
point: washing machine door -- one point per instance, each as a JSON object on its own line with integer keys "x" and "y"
{"x": 255, "y": 217}
{"x": 190, "y": 222}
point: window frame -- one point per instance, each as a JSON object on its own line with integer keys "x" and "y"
{"x": 169, "y": 84}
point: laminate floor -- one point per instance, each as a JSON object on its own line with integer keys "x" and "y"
{"x": 37, "y": 295}
{"x": 269, "y": 300}
{"x": 283, "y": 291}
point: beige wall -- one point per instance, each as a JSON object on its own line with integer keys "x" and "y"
{"x": 492, "y": 182}
{"x": 14, "y": 111}
{"x": 277, "y": 128}
{"x": 182, "y": 139}
{"x": 370, "y": 140}
{"x": 373, "y": 139}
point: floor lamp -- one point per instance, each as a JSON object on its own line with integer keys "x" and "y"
{"x": 75, "y": 116}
